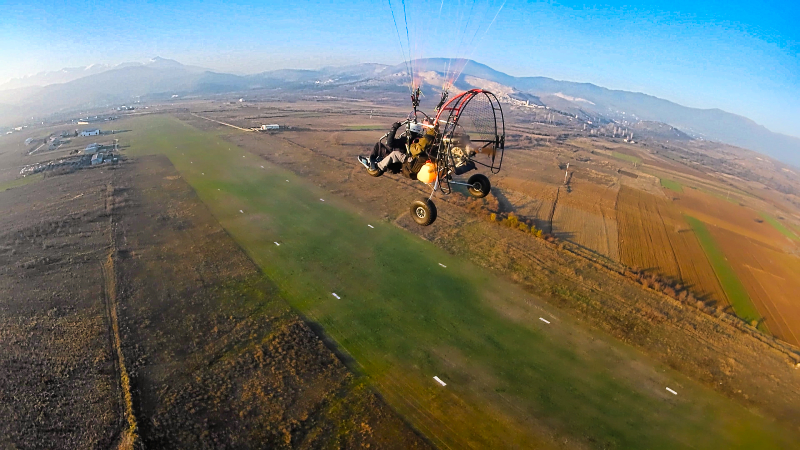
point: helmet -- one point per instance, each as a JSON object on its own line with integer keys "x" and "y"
{"x": 416, "y": 128}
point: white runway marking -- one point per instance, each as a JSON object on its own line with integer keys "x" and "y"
{"x": 277, "y": 244}
{"x": 544, "y": 320}
{"x": 442, "y": 265}
{"x": 440, "y": 381}
{"x": 370, "y": 226}
{"x": 675, "y": 393}
{"x": 334, "y": 294}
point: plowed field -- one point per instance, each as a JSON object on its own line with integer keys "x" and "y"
{"x": 653, "y": 235}
{"x": 770, "y": 278}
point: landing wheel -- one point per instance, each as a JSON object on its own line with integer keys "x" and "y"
{"x": 479, "y": 185}
{"x": 423, "y": 212}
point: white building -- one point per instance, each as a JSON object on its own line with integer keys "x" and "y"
{"x": 94, "y": 132}
{"x": 271, "y": 127}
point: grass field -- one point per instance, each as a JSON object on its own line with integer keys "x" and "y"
{"x": 20, "y": 182}
{"x": 780, "y": 227}
{"x": 734, "y": 289}
{"x": 671, "y": 185}
{"x": 402, "y": 318}
{"x": 629, "y": 158}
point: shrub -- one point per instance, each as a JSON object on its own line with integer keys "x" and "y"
{"x": 511, "y": 221}
{"x": 524, "y": 227}
{"x": 493, "y": 217}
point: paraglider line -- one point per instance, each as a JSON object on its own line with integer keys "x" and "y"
{"x": 408, "y": 43}
{"x": 483, "y": 37}
{"x": 400, "y": 41}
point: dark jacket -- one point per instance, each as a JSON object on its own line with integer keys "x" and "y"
{"x": 396, "y": 143}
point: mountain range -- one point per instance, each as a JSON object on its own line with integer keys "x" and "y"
{"x": 99, "y": 85}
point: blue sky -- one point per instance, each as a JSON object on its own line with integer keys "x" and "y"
{"x": 743, "y": 57}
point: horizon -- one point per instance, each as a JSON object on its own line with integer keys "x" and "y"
{"x": 738, "y": 59}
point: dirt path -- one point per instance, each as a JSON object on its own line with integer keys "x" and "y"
{"x": 129, "y": 436}
{"x": 221, "y": 123}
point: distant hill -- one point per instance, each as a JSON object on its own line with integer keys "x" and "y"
{"x": 55, "y": 77}
{"x": 711, "y": 124}
{"x": 159, "y": 76}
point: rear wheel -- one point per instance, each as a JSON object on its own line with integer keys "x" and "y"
{"x": 375, "y": 173}
{"x": 479, "y": 185}
{"x": 423, "y": 212}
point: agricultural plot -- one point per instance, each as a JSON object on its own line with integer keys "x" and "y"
{"x": 653, "y": 235}
{"x": 671, "y": 185}
{"x": 734, "y": 290}
{"x": 529, "y": 199}
{"x": 780, "y": 227}
{"x": 626, "y": 157}
{"x": 585, "y": 215}
{"x": 770, "y": 279}
{"x": 732, "y": 217}
{"x": 403, "y": 311}
{"x": 595, "y": 232}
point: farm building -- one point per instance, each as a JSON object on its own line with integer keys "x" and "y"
{"x": 271, "y": 127}
{"x": 91, "y": 149}
{"x": 97, "y": 159}
{"x": 94, "y": 132}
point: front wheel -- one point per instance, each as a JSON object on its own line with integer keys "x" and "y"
{"x": 479, "y": 186}
{"x": 375, "y": 173}
{"x": 423, "y": 212}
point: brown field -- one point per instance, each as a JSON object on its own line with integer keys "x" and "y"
{"x": 653, "y": 235}
{"x": 771, "y": 279}
{"x": 531, "y": 200}
{"x": 732, "y": 217}
{"x": 586, "y": 215}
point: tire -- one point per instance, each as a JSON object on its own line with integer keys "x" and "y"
{"x": 479, "y": 186}
{"x": 375, "y": 173}
{"x": 423, "y": 212}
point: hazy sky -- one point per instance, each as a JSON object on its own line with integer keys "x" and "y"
{"x": 740, "y": 56}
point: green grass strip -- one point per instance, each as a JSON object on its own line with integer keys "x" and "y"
{"x": 624, "y": 157}
{"x": 780, "y": 227}
{"x": 20, "y": 182}
{"x": 733, "y": 287}
{"x": 671, "y": 185}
